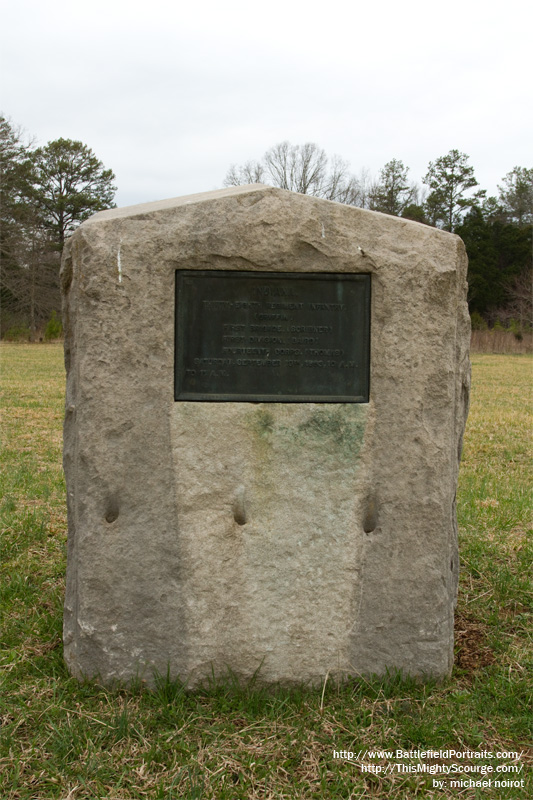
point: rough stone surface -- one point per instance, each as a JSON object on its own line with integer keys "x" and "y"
{"x": 291, "y": 539}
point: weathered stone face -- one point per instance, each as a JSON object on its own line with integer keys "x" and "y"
{"x": 293, "y": 539}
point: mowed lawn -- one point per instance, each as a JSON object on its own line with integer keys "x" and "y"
{"x": 60, "y": 739}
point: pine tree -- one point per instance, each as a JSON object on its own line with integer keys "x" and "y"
{"x": 448, "y": 179}
{"x": 516, "y": 196}
{"x": 392, "y": 193}
{"x": 71, "y": 184}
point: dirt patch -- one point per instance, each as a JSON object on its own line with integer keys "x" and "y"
{"x": 472, "y": 651}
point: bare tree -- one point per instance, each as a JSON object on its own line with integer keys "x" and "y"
{"x": 299, "y": 168}
{"x": 29, "y": 265}
{"x": 250, "y": 172}
{"x": 364, "y": 183}
{"x": 341, "y": 186}
{"x": 30, "y": 276}
{"x": 520, "y": 306}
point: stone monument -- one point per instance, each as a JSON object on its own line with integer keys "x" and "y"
{"x": 266, "y": 397}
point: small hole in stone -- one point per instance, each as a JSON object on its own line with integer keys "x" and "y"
{"x": 112, "y": 509}
{"x": 370, "y": 521}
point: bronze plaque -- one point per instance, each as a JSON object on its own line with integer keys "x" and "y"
{"x": 272, "y": 336}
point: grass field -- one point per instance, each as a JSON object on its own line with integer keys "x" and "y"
{"x": 60, "y": 739}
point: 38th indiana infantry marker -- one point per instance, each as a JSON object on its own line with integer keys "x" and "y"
{"x": 266, "y": 397}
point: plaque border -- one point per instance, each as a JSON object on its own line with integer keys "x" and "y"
{"x": 183, "y": 396}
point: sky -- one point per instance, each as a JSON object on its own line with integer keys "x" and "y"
{"x": 170, "y": 94}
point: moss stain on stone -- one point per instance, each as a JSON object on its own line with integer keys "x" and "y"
{"x": 339, "y": 430}
{"x": 261, "y": 422}
{"x": 344, "y": 427}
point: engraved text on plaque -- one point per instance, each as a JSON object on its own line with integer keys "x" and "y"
{"x": 272, "y": 337}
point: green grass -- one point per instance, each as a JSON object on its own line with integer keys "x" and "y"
{"x": 61, "y": 739}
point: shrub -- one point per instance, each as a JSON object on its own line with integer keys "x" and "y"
{"x": 478, "y": 323}
{"x": 17, "y": 333}
{"x": 54, "y": 328}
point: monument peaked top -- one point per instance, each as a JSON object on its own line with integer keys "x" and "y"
{"x": 174, "y": 202}
{"x": 142, "y": 210}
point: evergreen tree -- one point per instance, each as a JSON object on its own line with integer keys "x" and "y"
{"x": 516, "y": 196}
{"x": 392, "y": 193}
{"x": 416, "y": 212}
{"x": 448, "y": 179}
{"x": 45, "y": 193}
{"x": 70, "y": 185}
{"x": 499, "y": 254}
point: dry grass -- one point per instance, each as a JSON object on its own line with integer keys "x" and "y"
{"x": 61, "y": 739}
{"x": 503, "y": 342}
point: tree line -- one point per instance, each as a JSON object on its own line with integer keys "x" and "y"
{"x": 46, "y": 192}
{"x": 497, "y": 231}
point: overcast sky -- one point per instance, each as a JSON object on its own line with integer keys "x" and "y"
{"x": 170, "y": 94}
